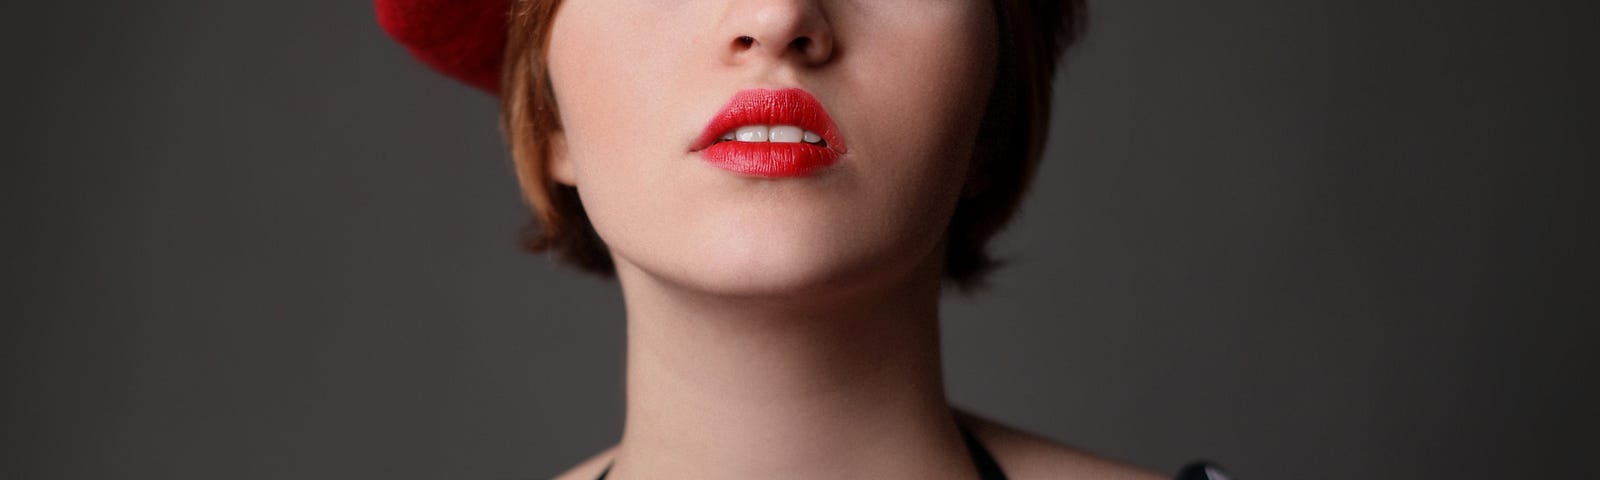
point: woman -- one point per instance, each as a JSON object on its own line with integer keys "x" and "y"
{"x": 780, "y": 187}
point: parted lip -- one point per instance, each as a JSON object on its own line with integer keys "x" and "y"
{"x": 759, "y": 106}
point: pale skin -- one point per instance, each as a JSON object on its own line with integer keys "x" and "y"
{"x": 783, "y": 329}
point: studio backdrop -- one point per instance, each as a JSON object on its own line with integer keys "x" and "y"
{"x": 1311, "y": 239}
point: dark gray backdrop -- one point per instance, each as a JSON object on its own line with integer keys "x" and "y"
{"x": 1313, "y": 239}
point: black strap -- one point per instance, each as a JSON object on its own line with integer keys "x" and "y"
{"x": 988, "y": 469}
{"x": 1202, "y": 470}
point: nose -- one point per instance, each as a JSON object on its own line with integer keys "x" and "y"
{"x": 782, "y": 30}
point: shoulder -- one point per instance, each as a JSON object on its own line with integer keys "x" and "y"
{"x": 1025, "y": 456}
{"x": 589, "y": 468}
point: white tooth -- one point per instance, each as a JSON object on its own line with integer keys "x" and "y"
{"x": 812, "y": 137}
{"x": 784, "y": 134}
{"x": 751, "y": 133}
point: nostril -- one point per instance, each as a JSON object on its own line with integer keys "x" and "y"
{"x": 801, "y": 44}
{"x": 745, "y": 41}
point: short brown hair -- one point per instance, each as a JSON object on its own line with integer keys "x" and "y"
{"x": 1033, "y": 35}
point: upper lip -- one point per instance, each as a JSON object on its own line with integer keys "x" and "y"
{"x": 758, "y": 106}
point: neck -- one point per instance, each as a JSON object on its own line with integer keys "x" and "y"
{"x": 745, "y": 388}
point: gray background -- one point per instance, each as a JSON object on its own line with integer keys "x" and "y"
{"x": 1313, "y": 239}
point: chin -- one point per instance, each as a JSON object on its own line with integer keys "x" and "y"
{"x": 780, "y": 264}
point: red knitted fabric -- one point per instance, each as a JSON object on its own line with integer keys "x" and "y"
{"x": 463, "y": 39}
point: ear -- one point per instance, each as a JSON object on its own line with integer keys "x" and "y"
{"x": 559, "y": 163}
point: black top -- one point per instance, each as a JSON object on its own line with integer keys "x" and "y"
{"x": 988, "y": 469}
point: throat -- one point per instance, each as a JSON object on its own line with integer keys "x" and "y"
{"x": 849, "y": 390}
{"x": 982, "y": 461}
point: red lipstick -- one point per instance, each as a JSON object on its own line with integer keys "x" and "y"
{"x": 771, "y": 108}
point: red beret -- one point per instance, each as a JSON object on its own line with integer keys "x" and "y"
{"x": 463, "y": 39}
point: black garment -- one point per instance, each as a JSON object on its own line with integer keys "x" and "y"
{"x": 988, "y": 469}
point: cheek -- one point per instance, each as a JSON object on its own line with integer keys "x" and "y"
{"x": 611, "y": 70}
{"x": 922, "y": 94}
{"x": 609, "y": 76}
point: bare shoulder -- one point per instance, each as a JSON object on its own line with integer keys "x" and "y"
{"x": 1025, "y": 456}
{"x": 589, "y": 468}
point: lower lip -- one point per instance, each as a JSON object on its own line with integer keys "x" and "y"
{"x": 770, "y": 159}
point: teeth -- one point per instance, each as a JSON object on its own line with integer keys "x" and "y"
{"x": 784, "y": 134}
{"x": 772, "y": 133}
{"x": 751, "y": 133}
